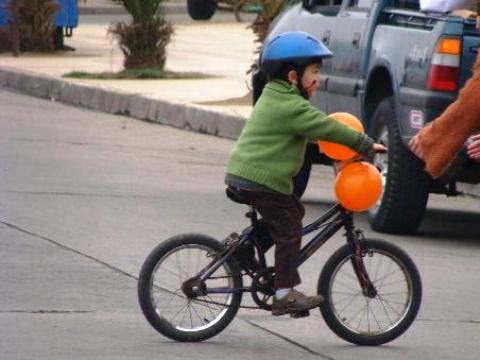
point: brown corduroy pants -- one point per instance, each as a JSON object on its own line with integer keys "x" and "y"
{"x": 282, "y": 215}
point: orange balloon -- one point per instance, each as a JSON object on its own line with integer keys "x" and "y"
{"x": 358, "y": 186}
{"x": 337, "y": 151}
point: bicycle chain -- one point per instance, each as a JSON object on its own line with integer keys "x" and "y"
{"x": 224, "y": 305}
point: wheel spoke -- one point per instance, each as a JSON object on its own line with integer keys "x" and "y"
{"x": 373, "y": 314}
{"x": 393, "y": 283}
{"x": 210, "y": 309}
{"x": 224, "y": 305}
{"x": 387, "y": 303}
{"x": 348, "y": 287}
{"x": 174, "y": 295}
{"x": 178, "y": 312}
{"x": 394, "y": 294}
{"x": 350, "y": 302}
{"x": 190, "y": 313}
{"x": 349, "y": 275}
{"x": 382, "y": 279}
{"x": 202, "y": 320}
{"x": 377, "y": 268}
{"x": 360, "y": 311}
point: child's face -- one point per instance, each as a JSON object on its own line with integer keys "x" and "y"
{"x": 311, "y": 79}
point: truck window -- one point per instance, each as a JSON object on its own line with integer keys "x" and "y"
{"x": 407, "y": 4}
{"x": 324, "y": 7}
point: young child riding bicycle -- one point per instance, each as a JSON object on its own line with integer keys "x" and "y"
{"x": 270, "y": 151}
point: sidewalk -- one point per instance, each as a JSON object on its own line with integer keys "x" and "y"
{"x": 86, "y": 7}
{"x": 217, "y": 103}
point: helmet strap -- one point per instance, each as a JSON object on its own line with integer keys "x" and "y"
{"x": 300, "y": 70}
{"x": 283, "y": 74}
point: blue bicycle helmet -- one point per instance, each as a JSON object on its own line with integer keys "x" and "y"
{"x": 295, "y": 48}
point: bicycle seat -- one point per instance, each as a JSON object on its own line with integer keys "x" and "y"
{"x": 235, "y": 195}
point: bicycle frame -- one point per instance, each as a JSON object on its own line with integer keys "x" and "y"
{"x": 332, "y": 220}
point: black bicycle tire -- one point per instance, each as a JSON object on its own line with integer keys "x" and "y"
{"x": 144, "y": 297}
{"x": 326, "y": 306}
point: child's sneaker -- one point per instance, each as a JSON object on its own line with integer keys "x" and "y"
{"x": 295, "y": 302}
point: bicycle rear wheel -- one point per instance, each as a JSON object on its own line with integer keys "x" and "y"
{"x": 163, "y": 289}
{"x": 379, "y": 317}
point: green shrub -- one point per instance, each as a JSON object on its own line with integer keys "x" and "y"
{"x": 143, "y": 41}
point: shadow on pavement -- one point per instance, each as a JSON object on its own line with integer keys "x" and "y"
{"x": 451, "y": 225}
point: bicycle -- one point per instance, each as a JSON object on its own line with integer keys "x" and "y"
{"x": 372, "y": 288}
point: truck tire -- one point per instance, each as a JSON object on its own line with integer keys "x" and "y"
{"x": 406, "y": 189}
{"x": 201, "y": 9}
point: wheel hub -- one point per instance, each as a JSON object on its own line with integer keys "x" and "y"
{"x": 194, "y": 287}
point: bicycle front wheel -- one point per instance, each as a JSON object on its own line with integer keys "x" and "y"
{"x": 165, "y": 295}
{"x": 377, "y": 317}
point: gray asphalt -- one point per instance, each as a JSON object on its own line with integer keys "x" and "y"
{"x": 85, "y": 196}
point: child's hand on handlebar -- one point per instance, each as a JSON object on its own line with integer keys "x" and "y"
{"x": 379, "y": 148}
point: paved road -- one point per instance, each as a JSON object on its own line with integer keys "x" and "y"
{"x": 85, "y": 196}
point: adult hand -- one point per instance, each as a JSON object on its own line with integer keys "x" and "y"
{"x": 416, "y": 147}
{"x": 478, "y": 23}
{"x": 473, "y": 149}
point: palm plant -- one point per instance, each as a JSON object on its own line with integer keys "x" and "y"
{"x": 143, "y": 41}
{"x": 35, "y": 23}
{"x": 5, "y": 40}
{"x": 261, "y": 24}
{"x": 270, "y": 10}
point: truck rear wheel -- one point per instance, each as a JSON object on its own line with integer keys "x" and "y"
{"x": 406, "y": 189}
{"x": 201, "y": 9}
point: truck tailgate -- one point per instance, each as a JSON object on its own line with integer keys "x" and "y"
{"x": 471, "y": 41}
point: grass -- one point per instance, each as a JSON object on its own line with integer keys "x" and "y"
{"x": 135, "y": 74}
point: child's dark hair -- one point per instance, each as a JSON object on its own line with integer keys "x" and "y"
{"x": 282, "y": 74}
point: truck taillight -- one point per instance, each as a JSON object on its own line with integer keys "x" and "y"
{"x": 445, "y": 66}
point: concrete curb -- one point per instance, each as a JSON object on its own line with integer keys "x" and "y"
{"x": 182, "y": 116}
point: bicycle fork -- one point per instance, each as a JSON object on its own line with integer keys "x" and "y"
{"x": 355, "y": 238}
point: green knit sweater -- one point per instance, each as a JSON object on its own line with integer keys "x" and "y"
{"x": 271, "y": 147}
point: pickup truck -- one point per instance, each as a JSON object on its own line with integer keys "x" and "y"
{"x": 396, "y": 68}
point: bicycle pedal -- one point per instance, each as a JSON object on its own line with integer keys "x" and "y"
{"x": 300, "y": 314}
